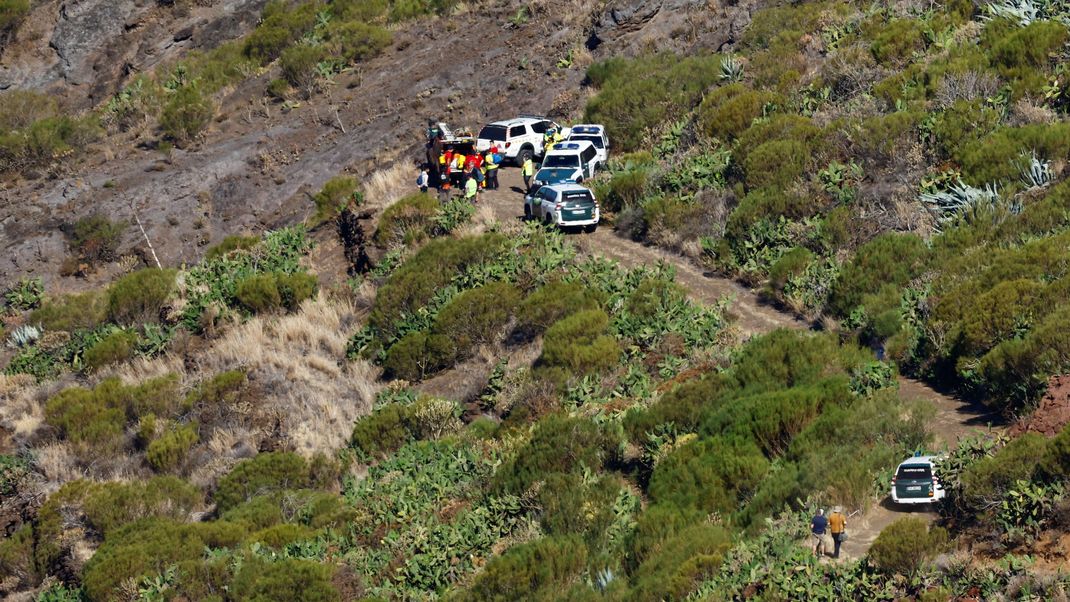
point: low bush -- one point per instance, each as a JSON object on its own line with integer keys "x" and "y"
{"x": 790, "y": 265}
{"x": 169, "y": 451}
{"x": 905, "y": 545}
{"x": 263, "y": 473}
{"x": 988, "y": 479}
{"x": 729, "y": 110}
{"x": 337, "y": 193}
{"x": 384, "y": 431}
{"x": 43, "y": 141}
{"x": 554, "y": 301}
{"x": 186, "y": 114}
{"x": 96, "y": 418}
{"x": 140, "y": 296}
{"x": 1023, "y": 54}
{"x": 961, "y": 123}
{"x": 281, "y": 25}
{"x": 683, "y": 561}
{"x": 407, "y": 222}
{"x": 95, "y": 238}
{"x": 118, "y": 346}
{"x": 298, "y": 65}
{"x": 627, "y": 188}
{"x": 12, "y": 12}
{"x": 580, "y": 343}
{"x": 776, "y": 164}
{"x": 637, "y": 95}
{"x": 888, "y": 259}
{"x": 284, "y": 580}
{"x": 357, "y": 41}
{"x": 418, "y": 354}
{"x": 477, "y": 316}
{"x": 711, "y": 475}
{"x": 895, "y": 42}
{"x": 558, "y": 444}
{"x": 530, "y": 571}
{"x": 234, "y": 242}
{"x": 995, "y": 158}
{"x": 68, "y": 313}
{"x": 271, "y": 291}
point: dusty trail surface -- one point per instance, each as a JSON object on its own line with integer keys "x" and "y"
{"x": 953, "y": 418}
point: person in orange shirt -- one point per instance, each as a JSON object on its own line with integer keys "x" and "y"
{"x": 838, "y": 528}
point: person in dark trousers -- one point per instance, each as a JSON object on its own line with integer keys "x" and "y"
{"x": 838, "y": 528}
{"x": 818, "y": 525}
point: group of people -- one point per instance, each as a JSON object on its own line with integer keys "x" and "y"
{"x": 470, "y": 169}
{"x": 834, "y": 524}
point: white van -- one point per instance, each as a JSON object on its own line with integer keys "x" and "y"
{"x": 596, "y": 135}
{"x": 580, "y": 156}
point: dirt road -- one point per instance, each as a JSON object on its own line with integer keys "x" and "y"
{"x": 953, "y": 418}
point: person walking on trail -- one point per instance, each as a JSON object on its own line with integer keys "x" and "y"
{"x": 424, "y": 179}
{"x": 818, "y": 525}
{"x": 528, "y": 168}
{"x": 471, "y": 187}
{"x": 838, "y": 528}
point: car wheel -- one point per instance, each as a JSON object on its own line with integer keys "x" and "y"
{"x": 524, "y": 154}
{"x": 590, "y": 228}
{"x": 527, "y": 211}
{"x": 548, "y": 220}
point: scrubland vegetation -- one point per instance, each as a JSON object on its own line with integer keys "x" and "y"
{"x": 230, "y": 431}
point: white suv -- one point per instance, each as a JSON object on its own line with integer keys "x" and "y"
{"x": 517, "y": 139}
{"x": 564, "y": 205}
{"x": 915, "y": 481}
{"x": 596, "y": 135}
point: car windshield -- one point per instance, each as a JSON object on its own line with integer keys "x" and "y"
{"x": 595, "y": 140}
{"x": 493, "y": 132}
{"x": 554, "y": 175}
{"x": 578, "y": 196}
{"x": 561, "y": 161}
{"x": 914, "y": 471}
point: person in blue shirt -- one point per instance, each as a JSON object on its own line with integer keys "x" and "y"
{"x": 818, "y": 525}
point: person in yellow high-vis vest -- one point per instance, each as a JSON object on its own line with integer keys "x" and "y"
{"x": 490, "y": 163}
{"x": 528, "y": 169}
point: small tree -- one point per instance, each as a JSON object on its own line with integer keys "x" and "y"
{"x": 905, "y": 545}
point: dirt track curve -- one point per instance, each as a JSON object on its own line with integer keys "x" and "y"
{"x": 953, "y": 419}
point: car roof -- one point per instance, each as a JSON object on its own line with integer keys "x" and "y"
{"x": 920, "y": 460}
{"x": 517, "y": 121}
{"x": 588, "y": 128}
{"x": 569, "y": 147}
{"x": 567, "y": 187}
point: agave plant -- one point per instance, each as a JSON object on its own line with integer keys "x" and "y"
{"x": 24, "y": 336}
{"x": 1025, "y": 12}
{"x": 1036, "y": 172}
{"x": 731, "y": 69}
{"x": 960, "y": 199}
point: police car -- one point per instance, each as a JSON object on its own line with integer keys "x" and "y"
{"x": 596, "y": 135}
{"x": 563, "y": 205}
{"x": 915, "y": 481}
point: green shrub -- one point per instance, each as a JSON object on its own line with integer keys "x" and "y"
{"x": 790, "y": 265}
{"x": 96, "y": 238}
{"x": 97, "y": 417}
{"x": 266, "y": 43}
{"x": 1016, "y": 371}
{"x": 44, "y": 141}
{"x": 963, "y": 122}
{"x": 234, "y": 242}
{"x": 416, "y": 282}
{"x": 627, "y": 188}
{"x": 407, "y": 222}
{"x": 337, "y": 193}
{"x": 364, "y": 11}
{"x": 169, "y": 451}
{"x": 186, "y": 114}
{"x": 118, "y": 346}
{"x": 295, "y": 288}
{"x": 559, "y": 444}
{"x": 357, "y": 41}
{"x": 259, "y": 293}
{"x": 82, "y": 311}
{"x": 278, "y": 536}
{"x": 1056, "y": 463}
{"x": 1023, "y": 54}
{"x": 139, "y": 296}
{"x": 712, "y": 475}
{"x": 897, "y": 41}
{"x": 281, "y": 25}
{"x": 794, "y": 20}
{"x": 990, "y": 478}
{"x": 16, "y": 557}
{"x": 284, "y": 580}
{"x": 776, "y": 164}
{"x": 905, "y": 545}
{"x": 782, "y": 127}
{"x": 298, "y": 66}
{"x": 763, "y": 205}
{"x": 580, "y": 343}
{"x": 683, "y": 561}
{"x": 729, "y": 110}
{"x": 879, "y": 140}
{"x": 554, "y": 301}
{"x": 530, "y": 570}
{"x": 637, "y": 95}
{"x": 418, "y": 354}
{"x": 477, "y": 316}
{"x": 266, "y": 472}
{"x": 888, "y": 259}
{"x": 995, "y": 157}
{"x": 384, "y": 431}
